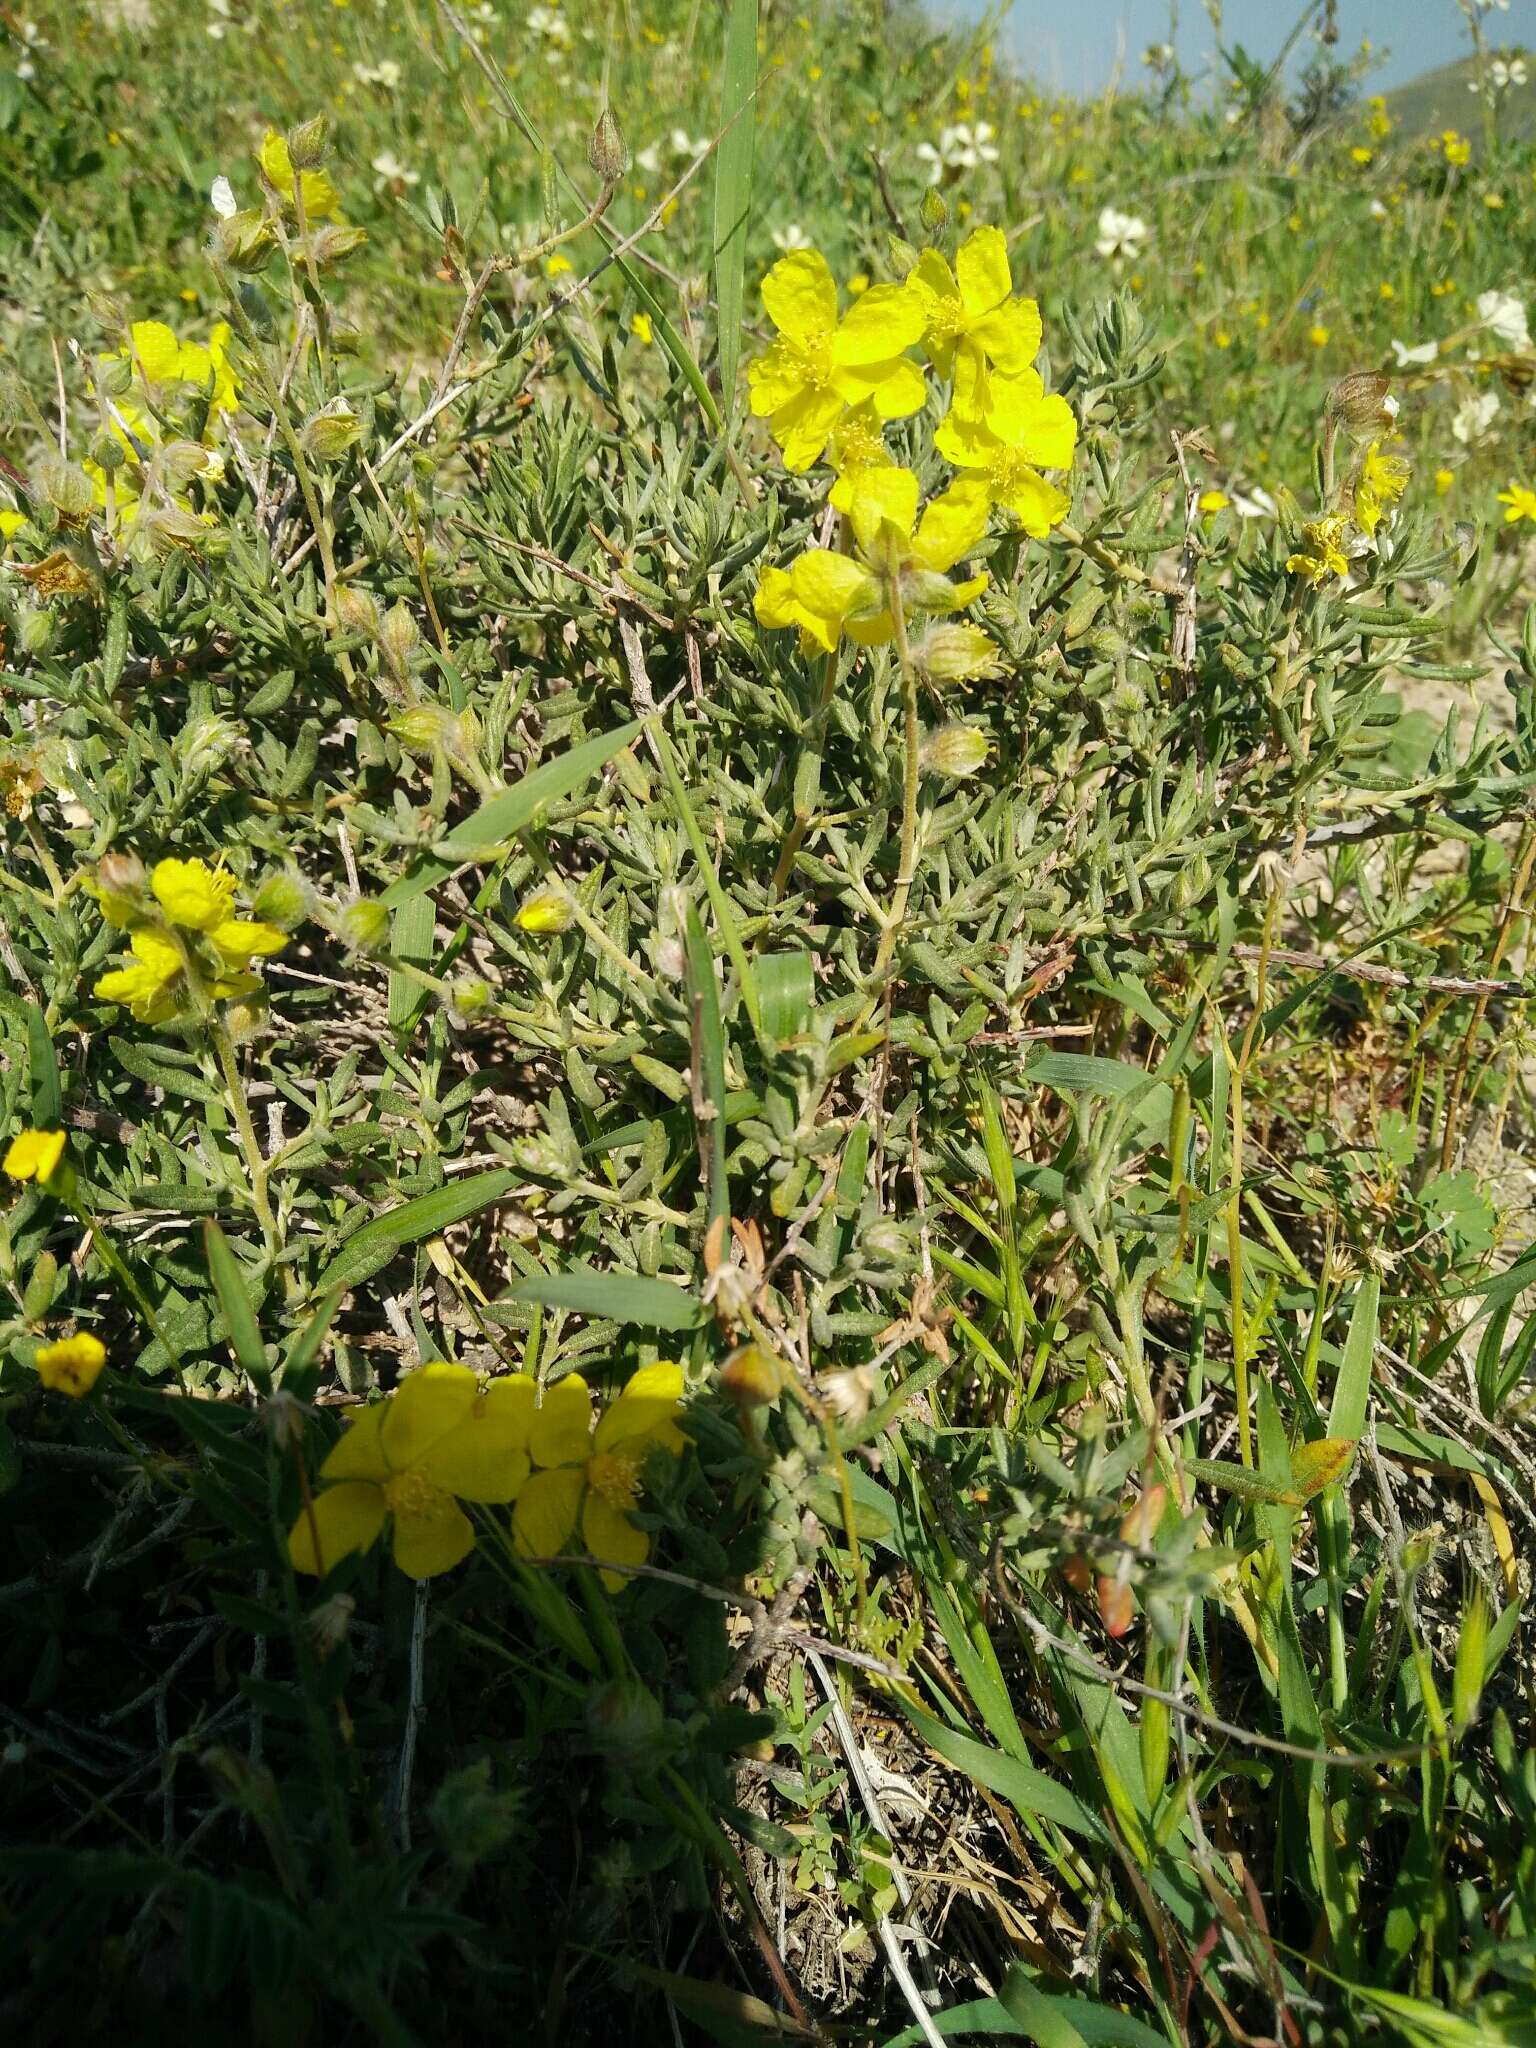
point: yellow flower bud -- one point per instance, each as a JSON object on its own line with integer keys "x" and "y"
{"x": 955, "y": 750}
{"x": 71, "y": 1366}
{"x": 545, "y": 913}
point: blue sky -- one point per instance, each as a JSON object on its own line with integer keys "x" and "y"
{"x": 1073, "y": 47}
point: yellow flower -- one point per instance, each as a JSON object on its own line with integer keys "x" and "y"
{"x": 1458, "y": 150}
{"x": 195, "y": 899}
{"x": 1324, "y": 555}
{"x": 1382, "y": 481}
{"x": 321, "y": 199}
{"x": 1520, "y": 503}
{"x": 973, "y": 320}
{"x": 33, "y": 1155}
{"x": 1212, "y": 502}
{"x": 640, "y": 328}
{"x": 1444, "y": 478}
{"x": 1025, "y": 430}
{"x": 71, "y": 1366}
{"x": 437, "y": 1440}
{"x": 827, "y": 594}
{"x": 11, "y": 522}
{"x": 1360, "y": 155}
{"x": 584, "y": 1483}
{"x": 1221, "y": 338}
{"x": 1318, "y": 336}
{"x": 820, "y": 365}
{"x": 557, "y": 265}
{"x": 857, "y": 444}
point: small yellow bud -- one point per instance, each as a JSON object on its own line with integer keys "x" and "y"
{"x": 752, "y": 1377}
{"x": 71, "y": 1366}
{"x": 545, "y": 913}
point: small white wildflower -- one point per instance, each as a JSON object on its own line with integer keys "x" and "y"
{"x": 1504, "y": 317}
{"x": 392, "y": 172}
{"x": 1422, "y": 352}
{"x": 1474, "y": 416}
{"x": 1121, "y": 235}
{"x": 221, "y": 197}
{"x": 793, "y": 236}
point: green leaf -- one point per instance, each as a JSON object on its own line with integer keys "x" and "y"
{"x": 47, "y": 1095}
{"x": 1351, "y": 1390}
{"x": 410, "y": 938}
{"x": 617, "y": 1297}
{"x": 240, "y": 1319}
{"x": 1028, "y": 1791}
{"x": 786, "y": 985}
{"x": 733, "y": 184}
{"x": 708, "y": 1065}
{"x": 488, "y": 831}
{"x": 370, "y": 1249}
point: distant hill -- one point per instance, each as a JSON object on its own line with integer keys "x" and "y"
{"x": 1441, "y": 99}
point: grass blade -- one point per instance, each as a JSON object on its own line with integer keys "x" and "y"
{"x": 733, "y": 185}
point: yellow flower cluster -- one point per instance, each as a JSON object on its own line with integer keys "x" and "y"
{"x": 162, "y": 371}
{"x": 830, "y": 384}
{"x": 1379, "y": 481}
{"x": 189, "y": 948}
{"x": 442, "y": 1438}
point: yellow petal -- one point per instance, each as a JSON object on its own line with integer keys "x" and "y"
{"x": 934, "y": 279}
{"x": 486, "y": 1458}
{"x": 343, "y": 1519}
{"x": 894, "y": 389}
{"x": 1035, "y": 504}
{"x": 425, "y": 1545}
{"x": 801, "y": 428}
{"x": 422, "y": 1410}
{"x": 560, "y": 1432}
{"x": 240, "y": 939}
{"x": 829, "y": 585}
{"x": 357, "y": 1453}
{"x": 192, "y": 894}
{"x": 878, "y": 630}
{"x": 800, "y": 296}
{"x": 32, "y": 1155}
{"x": 982, "y": 270}
{"x": 773, "y": 604}
{"x": 884, "y": 497}
{"x": 608, "y": 1532}
{"x": 548, "y": 1510}
{"x": 646, "y": 1409}
{"x": 879, "y": 326}
{"x": 775, "y": 378}
{"x": 155, "y": 349}
{"x": 952, "y": 524}
{"x": 1043, "y": 428}
{"x": 1010, "y": 335}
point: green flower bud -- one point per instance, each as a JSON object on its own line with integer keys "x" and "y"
{"x": 333, "y": 243}
{"x": 752, "y": 1377}
{"x": 114, "y": 376}
{"x": 932, "y": 212}
{"x": 329, "y": 434}
{"x": 66, "y": 487}
{"x": 956, "y": 654}
{"x": 607, "y": 152}
{"x": 307, "y": 143}
{"x": 34, "y": 632}
{"x": 204, "y": 744}
{"x": 108, "y": 453}
{"x": 956, "y": 750}
{"x": 470, "y": 995}
{"x": 282, "y": 900}
{"x": 356, "y": 611}
{"x": 428, "y": 728}
{"x": 399, "y": 638}
{"x": 363, "y": 927}
{"x": 242, "y": 242}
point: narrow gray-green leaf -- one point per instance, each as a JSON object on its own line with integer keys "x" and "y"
{"x": 616, "y": 1297}
{"x": 372, "y": 1247}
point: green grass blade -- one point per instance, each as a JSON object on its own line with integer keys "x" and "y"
{"x": 47, "y": 1095}
{"x": 708, "y": 1066}
{"x": 733, "y": 185}
{"x": 240, "y": 1323}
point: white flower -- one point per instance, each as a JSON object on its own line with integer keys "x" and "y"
{"x": 392, "y": 172}
{"x": 649, "y": 160}
{"x": 960, "y": 148}
{"x": 386, "y": 73}
{"x": 791, "y": 237}
{"x": 551, "y": 24}
{"x": 1120, "y": 235}
{"x": 221, "y": 198}
{"x": 1256, "y": 504}
{"x": 1424, "y": 352}
{"x": 683, "y": 146}
{"x": 1502, "y": 74}
{"x": 26, "y": 70}
{"x": 1504, "y": 317}
{"x": 1378, "y": 211}
{"x": 1474, "y": 416}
